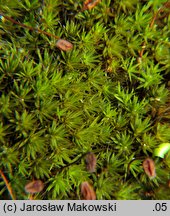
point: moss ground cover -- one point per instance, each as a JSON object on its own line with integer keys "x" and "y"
{"x": 108, "y": 94}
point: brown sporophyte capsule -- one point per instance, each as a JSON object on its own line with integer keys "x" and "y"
{"x": 149, "y": 167}
{"x": 87, "y": 191}
{"x": 90, "y": 161}
{"x": 64, "y": 45}
{"x": 35, "y": 186}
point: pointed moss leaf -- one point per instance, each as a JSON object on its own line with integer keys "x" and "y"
{"x": 162, "y": 150}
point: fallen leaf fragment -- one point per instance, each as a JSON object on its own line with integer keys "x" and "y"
{"x": 87, "y": 191}
{"x": 35, "y": 186}
{"x": 149, "y": 167}
{"x": 90, "y": 161}
{"x": 64, "y": 45}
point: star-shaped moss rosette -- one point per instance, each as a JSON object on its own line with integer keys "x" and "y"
{"x": 61, "y": 43}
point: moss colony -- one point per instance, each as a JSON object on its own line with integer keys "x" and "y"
{"x": 86, "y": 117}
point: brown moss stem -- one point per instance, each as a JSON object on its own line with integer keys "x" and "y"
{"x": 7, "y": 185}
{"x": 29, "y": 27}
{"x": 165, "y": 5}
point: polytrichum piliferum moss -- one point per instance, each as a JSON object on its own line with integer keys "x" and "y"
{"x": 81, "y": 78}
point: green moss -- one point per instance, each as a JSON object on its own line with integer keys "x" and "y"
{"x": 103, "y": 96}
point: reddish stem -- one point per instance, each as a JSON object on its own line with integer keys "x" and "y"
{"x": 7, "y": 185}
{"x": 151, "y": 25}
{"x": 29, "y": 27}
